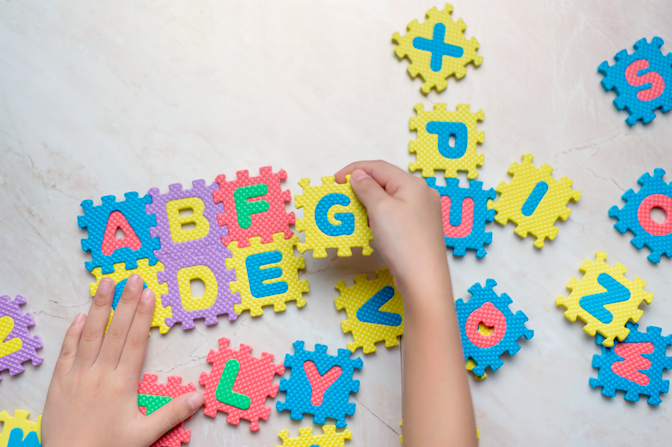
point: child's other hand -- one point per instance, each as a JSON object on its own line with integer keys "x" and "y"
{"x": 93, "y": 396}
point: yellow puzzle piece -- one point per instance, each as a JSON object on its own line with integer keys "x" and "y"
{"x": 605, "y": 299}
{"x": 534, "y": 200}
{"x": 375, "y": 311}
{"x": 148, "y": 274}
{"x": 20, "y": 420}
{"x": 330, "y": 438}
{"x": 333, "y": 217}
{"x": 432, "y": 147}
{"x": 437, "y": 49}
{"x": 267, "y": 274}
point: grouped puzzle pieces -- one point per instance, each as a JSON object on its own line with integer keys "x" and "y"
{"x": 319, "y": 384}
{"x": 239, "y": 384}
{"x": 605, "y": 299}
{"x": 642, "y": 80}
{"x": 635, "y": 216}
{"x": 153, "y": 395}
{"x": 16, "y": 344}
{"x": 375, "y": 311}
{"x": 329, "y": 438}
{"x": 18, "y": 431}
{"x": 437, "y": 49}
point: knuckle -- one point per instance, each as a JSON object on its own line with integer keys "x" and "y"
{"x": 115, "y": 333}
{"x": 135, "y": 342}
{"x": 67, "y": 353}
{"x": 90, "y": 336}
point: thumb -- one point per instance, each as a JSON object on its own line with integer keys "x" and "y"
{"x": 167, "y": 417}
{"x": 368, "y": 191}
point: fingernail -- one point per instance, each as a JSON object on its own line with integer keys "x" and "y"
{"x": 147, "y": 295}
{"x": 79, "y": 319}
{"x": 134, "y": 281}
{"x": 106, "y": 285}
{"x": 196, "y": 401}
{"x": 358, "y": 174}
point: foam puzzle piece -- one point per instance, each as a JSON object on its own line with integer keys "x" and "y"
{"x": 640, "y": 94}
{"x": 16, "y": 344}
{"x": 149, "y": 276}
{"x": 333, "y": 217}
{"x": 465, "y": 214}
{"x": 635, "y": 215}
{"x": 208, "y": 265}
{"x": 102, "y": 221}
{"x": 16, "y": 439}
{"x": 153, "y": 395}
{"x": 20, "y": 422}
{"x": 254, "y": 206}
{"x": 470, "y": 365}
{"x": 432, "y": 146}
{"x": 605, "y": 299}
{"x": 299, "y": 390}
{"x": 375, "y": 311}
{"x": 168, "y": 229}
{"x": 267, "y": 274}
{"x": 486, "y": 307}
{"x": 437, "y": 49}
{"x": 534, "y": 200}
{"x": 254, "y": 380}
{"x": 329, "y": 438}
{"x": 634, "y": 365}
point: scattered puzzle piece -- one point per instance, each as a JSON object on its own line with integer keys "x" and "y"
{"x": 486, "y": 307}
{"x": 330, "y": 438}
{"x": 465, "y": 214}
{"x": 635, "y": 215}
{"x": 634, "y": 365}
{"x": 432, "y": 146}
{"x": 534, "y": 200}
{"x": 102, "y": 222}
{"x": 21, "y": 423}
{"x": 302, "y": 392}
{"x": 640, "y": 94}
{"x": 16, "y": 344}
{"x": 437, "y": 49}
{"x": 254, "y": 206}
{"x": 375, "y": 311}
{"x": 333, "y": 217}
{"x": 153, "y": 395}
{"x": 605, "y": 299}
{"x": 239, "y": 384}
{"x": 267, "y": 274}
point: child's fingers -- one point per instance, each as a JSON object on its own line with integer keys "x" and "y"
{"x": 114, "y": 340}
{"x": 381, "y": 171}
{"x": 170, "y": 415}
{"x": 69, "y": 349}
{"x": 136, "y": 343}
{"x": 368, "y": 191}
{"x": 94, "y": 329}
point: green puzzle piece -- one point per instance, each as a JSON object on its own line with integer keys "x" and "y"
{"x": 152, "y": 403}
{"x": 225, "y": 393}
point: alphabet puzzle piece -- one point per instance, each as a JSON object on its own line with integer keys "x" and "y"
{"x": 16, "y": 344}
{"x": 153, "y": 395}
{"x": 18, "y": 431}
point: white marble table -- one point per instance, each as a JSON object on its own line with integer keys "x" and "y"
{"x": 101, "y": 98}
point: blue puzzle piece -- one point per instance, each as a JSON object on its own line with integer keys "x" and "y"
{"x": 16, "y": 439}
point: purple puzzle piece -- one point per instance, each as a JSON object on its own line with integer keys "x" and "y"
{"x": 28, "y": 351}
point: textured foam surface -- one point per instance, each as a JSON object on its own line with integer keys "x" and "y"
{"x": 534, "y": 200}
{"x": 19, "y": 422}
{"x": 329, "y": 438}
{"x": 155, "y": 395}
{"x": 642, "y": 80}
{"x": 635, "y": 215}
{"x": 254, "y": 380}
{"x": 16, "y": 344}
{"x": 375, "y": 311}
{"x": 267, "y": 274}
{"x": 335, "y": 403}
{"x": 605, "y": 309}
{"x": 333, "y": 217}
{"x": 465, "y": 214}
{"x": 437, "y": 49}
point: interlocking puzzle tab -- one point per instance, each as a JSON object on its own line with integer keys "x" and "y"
{"x": 170, "y": 223}
{"x": 492, "y": 310}
{"x": 209, "y": 266}
{"x": 267, "y": 274}
{"x": 642, "y": 80}
{"x": 239, "y": 384}
{"x": 149, "y": 277}
{"x": 433, "y": 147}
{"x": 254, "y": 206}
{"x": 636, "y": 215}
{"x": 333, "y": 217}
{"x": 437, "y": 49}
{"x": 465, "y": 214}
{"x": 329, "y": 438}
{"x": 153, "y": 395}
{"x": 605, "y": 299}
{"x": 634, "y": 365}
{"x": 18, "y": 431}
{"x": 375, "y": 311}
{"x": 534, "y": 200}
{"x": 102, "y": 223}
{"x": 16, "y": 344}
{"x": 320, "y": 384}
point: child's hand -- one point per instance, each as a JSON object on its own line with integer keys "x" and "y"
{"x": 93, "y": 396}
